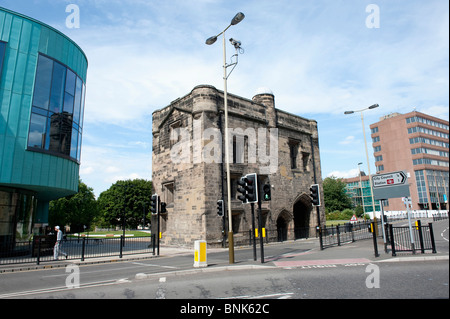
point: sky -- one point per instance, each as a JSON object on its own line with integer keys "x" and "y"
{"x": 318, "y": 57}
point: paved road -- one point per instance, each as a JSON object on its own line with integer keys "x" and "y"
{"x": 425, "y": 279}
{"x": 293, "y": 270}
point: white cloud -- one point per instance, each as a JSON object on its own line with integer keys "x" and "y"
{"x": 345, "y": 174}
{"x": 348, "y": 140}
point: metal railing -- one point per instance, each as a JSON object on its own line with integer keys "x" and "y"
{"x": 400, "y": 238}
{"x": 349, "y": 232}
{"x": 41, "y": 248}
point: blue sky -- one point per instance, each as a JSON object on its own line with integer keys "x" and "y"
{"x": 317, "y": 56}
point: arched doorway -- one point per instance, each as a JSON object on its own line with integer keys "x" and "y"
{"x": 302, "y": 213}
{"x": 282, "y": 229}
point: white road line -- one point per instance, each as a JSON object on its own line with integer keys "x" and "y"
{"x": 62, "y": 288}
{"x": 152, "y": 265}
{"x": 286, "y": 295}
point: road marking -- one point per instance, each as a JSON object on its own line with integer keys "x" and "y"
{"x": 288, "y": 255}
{"x": 286, "y": 295}
{"x": 63, "y": 288}
{"x": 152, "y": 265}
{"x": 322, "y": 262}
{"x": 443, "y": 234}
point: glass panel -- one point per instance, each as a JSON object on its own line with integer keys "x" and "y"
{"x": 36, "y": 136}
{"x": 43, "y": 82}
{"x": 79, "y": 147}
{"x": 70, "y": 82}
{"x": 58, "y": 84}
{"x": 73, "y": 146}
{"x": 82, "y": 106}
{"x": 66, "y": 133}
{"x": 78, "y": 96}
{"x": 68, "y": 103}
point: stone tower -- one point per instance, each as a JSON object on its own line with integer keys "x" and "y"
{"x": 189, "y": 174}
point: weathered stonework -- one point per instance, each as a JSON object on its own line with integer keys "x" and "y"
{"x": 191, "y": 183}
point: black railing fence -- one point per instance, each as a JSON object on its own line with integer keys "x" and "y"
{"x": 41, "y": 248}
{"x": 399, "y": 238}
{"x": 349, "y": 232}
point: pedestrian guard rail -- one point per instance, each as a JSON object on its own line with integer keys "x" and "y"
{"x": 40, "y": 248}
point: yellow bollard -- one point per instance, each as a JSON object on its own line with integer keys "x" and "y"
{"x": 200, "y": 254}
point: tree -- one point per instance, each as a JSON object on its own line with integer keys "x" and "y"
{"x": 76, "y": 211}
{"x": 335, "y": 197}
{"x": 129, "y": 199}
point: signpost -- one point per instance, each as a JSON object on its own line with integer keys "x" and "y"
{"x": 393, "y": 185}
{"x": 390, "y": 179}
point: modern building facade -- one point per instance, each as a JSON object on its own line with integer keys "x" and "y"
{"x": 418, "y": 144}
{"x": 358, "y": 189}
{"x": 42, "y": 90}
{"x": 189, "y": 171}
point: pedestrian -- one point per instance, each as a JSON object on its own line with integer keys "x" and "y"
{"x": 57, "y": 248}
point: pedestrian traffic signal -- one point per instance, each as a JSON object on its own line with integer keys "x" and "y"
{"x": 154, "y": 201}
{"x": 248, "y": 187}
{"x": 315, "y": 195}
{"x": 220, "y": 209}
{"x": 267, "y": 192}
{"x": 163, "y": 208}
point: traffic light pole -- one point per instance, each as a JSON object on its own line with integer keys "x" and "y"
{"x": 261, "y": 240}
{"x": 253, "y": 231}
{"x": 157, "y": 223}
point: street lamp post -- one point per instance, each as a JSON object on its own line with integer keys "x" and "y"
{"x": 367, "y": 153}
{"x": 361, "y": 188}
{"x": 237, "y": 18}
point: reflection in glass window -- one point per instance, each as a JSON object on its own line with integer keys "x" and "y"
{"x": 43, "y": 82}
{"x": 57, "y": 95}
{"x": 57, "y": 113}
{"x": 36, "y": 136}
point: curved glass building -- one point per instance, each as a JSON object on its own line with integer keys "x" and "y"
{"x": 42, "y": 89}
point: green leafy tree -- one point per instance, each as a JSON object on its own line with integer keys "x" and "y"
{"x": 128, "y": 199}
{"x": 335, "y": 197}
{"x": 76, "y": 211}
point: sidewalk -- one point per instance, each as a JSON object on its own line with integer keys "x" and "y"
{"x": 305, "y": 253}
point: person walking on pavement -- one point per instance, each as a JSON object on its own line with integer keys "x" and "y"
{"x": 57, "y": 248}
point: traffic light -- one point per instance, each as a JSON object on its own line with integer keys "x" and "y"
{"x": 154, "y": 204}
{"x": 266, "y": 192}
{"x": 241, "y": 189}
{"x": 315, "y": 195}
{"x": 248, "y": 188}
{"x": 252, "y": 188}
{"x": 220, "y": 210}
{"x": 163, "y": 208}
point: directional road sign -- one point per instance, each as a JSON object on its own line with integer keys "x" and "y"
{"x": 390, "y": 185}
{"x": 390, "y": 179}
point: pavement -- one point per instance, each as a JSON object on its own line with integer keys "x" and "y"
{"x": 299, "y": 253}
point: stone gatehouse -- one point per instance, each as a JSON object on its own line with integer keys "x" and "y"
{"x": 189, "y": 171}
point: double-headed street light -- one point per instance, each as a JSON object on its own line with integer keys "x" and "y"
{"x": 211, "y": 40}
{"x": 367, "y": 153}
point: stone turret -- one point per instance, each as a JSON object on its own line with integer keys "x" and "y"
{"x": 265, "y": 97}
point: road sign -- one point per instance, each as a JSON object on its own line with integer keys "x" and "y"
{"x": 390, "y": 185}
{"x": 390, "y": 179}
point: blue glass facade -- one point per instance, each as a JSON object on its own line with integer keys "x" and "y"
{"x": 42, "y": 89}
